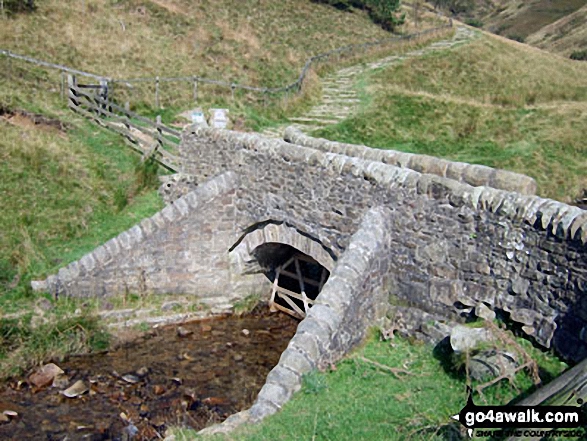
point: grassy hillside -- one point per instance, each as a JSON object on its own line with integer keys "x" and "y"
{"x": 67, "y": 185}
{"x": 70, "y": 175}
{"x": 255, "y": 42}
{"x": 522, "y": 18}
{"x": 555, "y": 25}
{"x": 564, "y": 36}
{"x": 492, "y": 102}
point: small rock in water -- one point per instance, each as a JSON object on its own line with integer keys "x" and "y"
{"x": 142, "y": 372}
{"x": 158, "y": 389}
{"x": 246, "y": 332}
{"x": 182, "y": 332}
{"x": 186, "y": 356}
{"x": 44, "y": 376}
{"x": 214, "y": 401}
{"x": 10, "y": 413}
{"x": 237, "y": 357}
{"x": 60, "y": 381}
{"x": 78, "y": 388}
{"x": 144, "y": 410}
{"x": 130, "y": 378}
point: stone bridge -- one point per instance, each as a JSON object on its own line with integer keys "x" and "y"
{"x": 407, "y": 238}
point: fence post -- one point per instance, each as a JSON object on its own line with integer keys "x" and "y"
{"x": 232, "y": 87}
{"x": 195, "y": 91}
{"x": 159, "y": 132}
{"x": 72, "y": 91}
{"x": 103, "y": 95}
{"x": 157, "y": 92}
{"x": 62, "y": 85}
{"x": 126, "y": 122}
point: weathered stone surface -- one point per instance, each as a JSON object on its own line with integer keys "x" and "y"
{"x": 387, "y": 234}
{"x": 464, "y": 338}
{"x": 482, "y": 311}
{"x": 490, "y": 364}
{"x": 472, "y": 174}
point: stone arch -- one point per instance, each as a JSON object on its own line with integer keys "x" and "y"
{"x": 244, "y": 260}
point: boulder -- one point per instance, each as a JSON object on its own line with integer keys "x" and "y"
{"x": 464, "y": 338}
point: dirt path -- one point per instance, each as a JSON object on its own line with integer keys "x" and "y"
{"x": 340, "y": 98}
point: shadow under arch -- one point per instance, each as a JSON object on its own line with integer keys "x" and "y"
{"x": 296, "y": 264}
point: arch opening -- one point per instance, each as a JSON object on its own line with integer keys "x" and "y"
{"x": 296, "y": 278}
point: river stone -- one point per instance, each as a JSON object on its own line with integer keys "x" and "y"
{"x": 45, "y": 375}
{"x": 487, "y": 365}
{"x": 78, "y": 388}
{"x": 463, "y": 338}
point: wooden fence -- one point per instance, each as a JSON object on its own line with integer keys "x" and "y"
{"x": 152, "y": 139}
{"x": 195, "y": 82}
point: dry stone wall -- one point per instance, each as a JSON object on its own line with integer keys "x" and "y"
{"x": 456, "y": 248}
{"x": 182, "y": 250}
{"x": 453, "y": 250}
{"x": 351, "y": 301}
{"x": 473, "y": 174}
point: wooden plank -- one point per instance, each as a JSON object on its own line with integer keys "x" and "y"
{"x": 124, "y": 120}
{"x": 167, "y": 162}
{"x": 274, "y": 290}
{"x": 291, "y": 303}
{"x": 150, "y": 152}
{"x": 295, "y": 295}
{"x": 294, "y": 276}
{"x": 302, "y": 287}
{"x": 129, "y": 113}
{"x": 288, "y": 262}
{"x": 287, "y": 311}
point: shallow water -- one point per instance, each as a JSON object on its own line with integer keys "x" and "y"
{"x": 195, "y": 380}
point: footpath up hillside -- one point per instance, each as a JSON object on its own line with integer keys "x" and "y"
{"x": 261, "y": 42}
{"x": 68, "y": 186}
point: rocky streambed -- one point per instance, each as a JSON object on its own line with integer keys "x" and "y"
{"x": 191, "y": 375}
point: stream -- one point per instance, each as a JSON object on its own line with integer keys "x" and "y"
{"x": 190, "y": 375}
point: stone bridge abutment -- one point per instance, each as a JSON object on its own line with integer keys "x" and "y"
{"x": 403, "y": 240}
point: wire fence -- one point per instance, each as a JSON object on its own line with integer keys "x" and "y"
{"x": 136, "y": 89}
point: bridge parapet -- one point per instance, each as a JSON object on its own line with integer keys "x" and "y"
{"x": 456, "y": 248}
{"x": 472, "y": 174}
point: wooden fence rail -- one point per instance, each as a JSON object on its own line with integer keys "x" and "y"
{"x": 265, "y": 92}
{"x": 151, "y": 139}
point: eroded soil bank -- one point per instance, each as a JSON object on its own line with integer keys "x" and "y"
{"x": 193, "y": 376}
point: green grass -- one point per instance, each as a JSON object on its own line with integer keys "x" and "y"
{"x": 39, "y": 336}
{"x": 360, "y": 401}
{"x": 487, "y": 102}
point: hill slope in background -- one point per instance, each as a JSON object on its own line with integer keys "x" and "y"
{"x": 558, "y": 26}
{"x": 68, "y": 188}
{"x": 492, "y": 101}
{"x": 257, "y": 42}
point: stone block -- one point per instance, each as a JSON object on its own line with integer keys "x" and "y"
{"x": 307, "y": 344}
{"x": 275, "y": 394}
{"x": 285, "y": 377}
{"x": 296, "y": 361}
